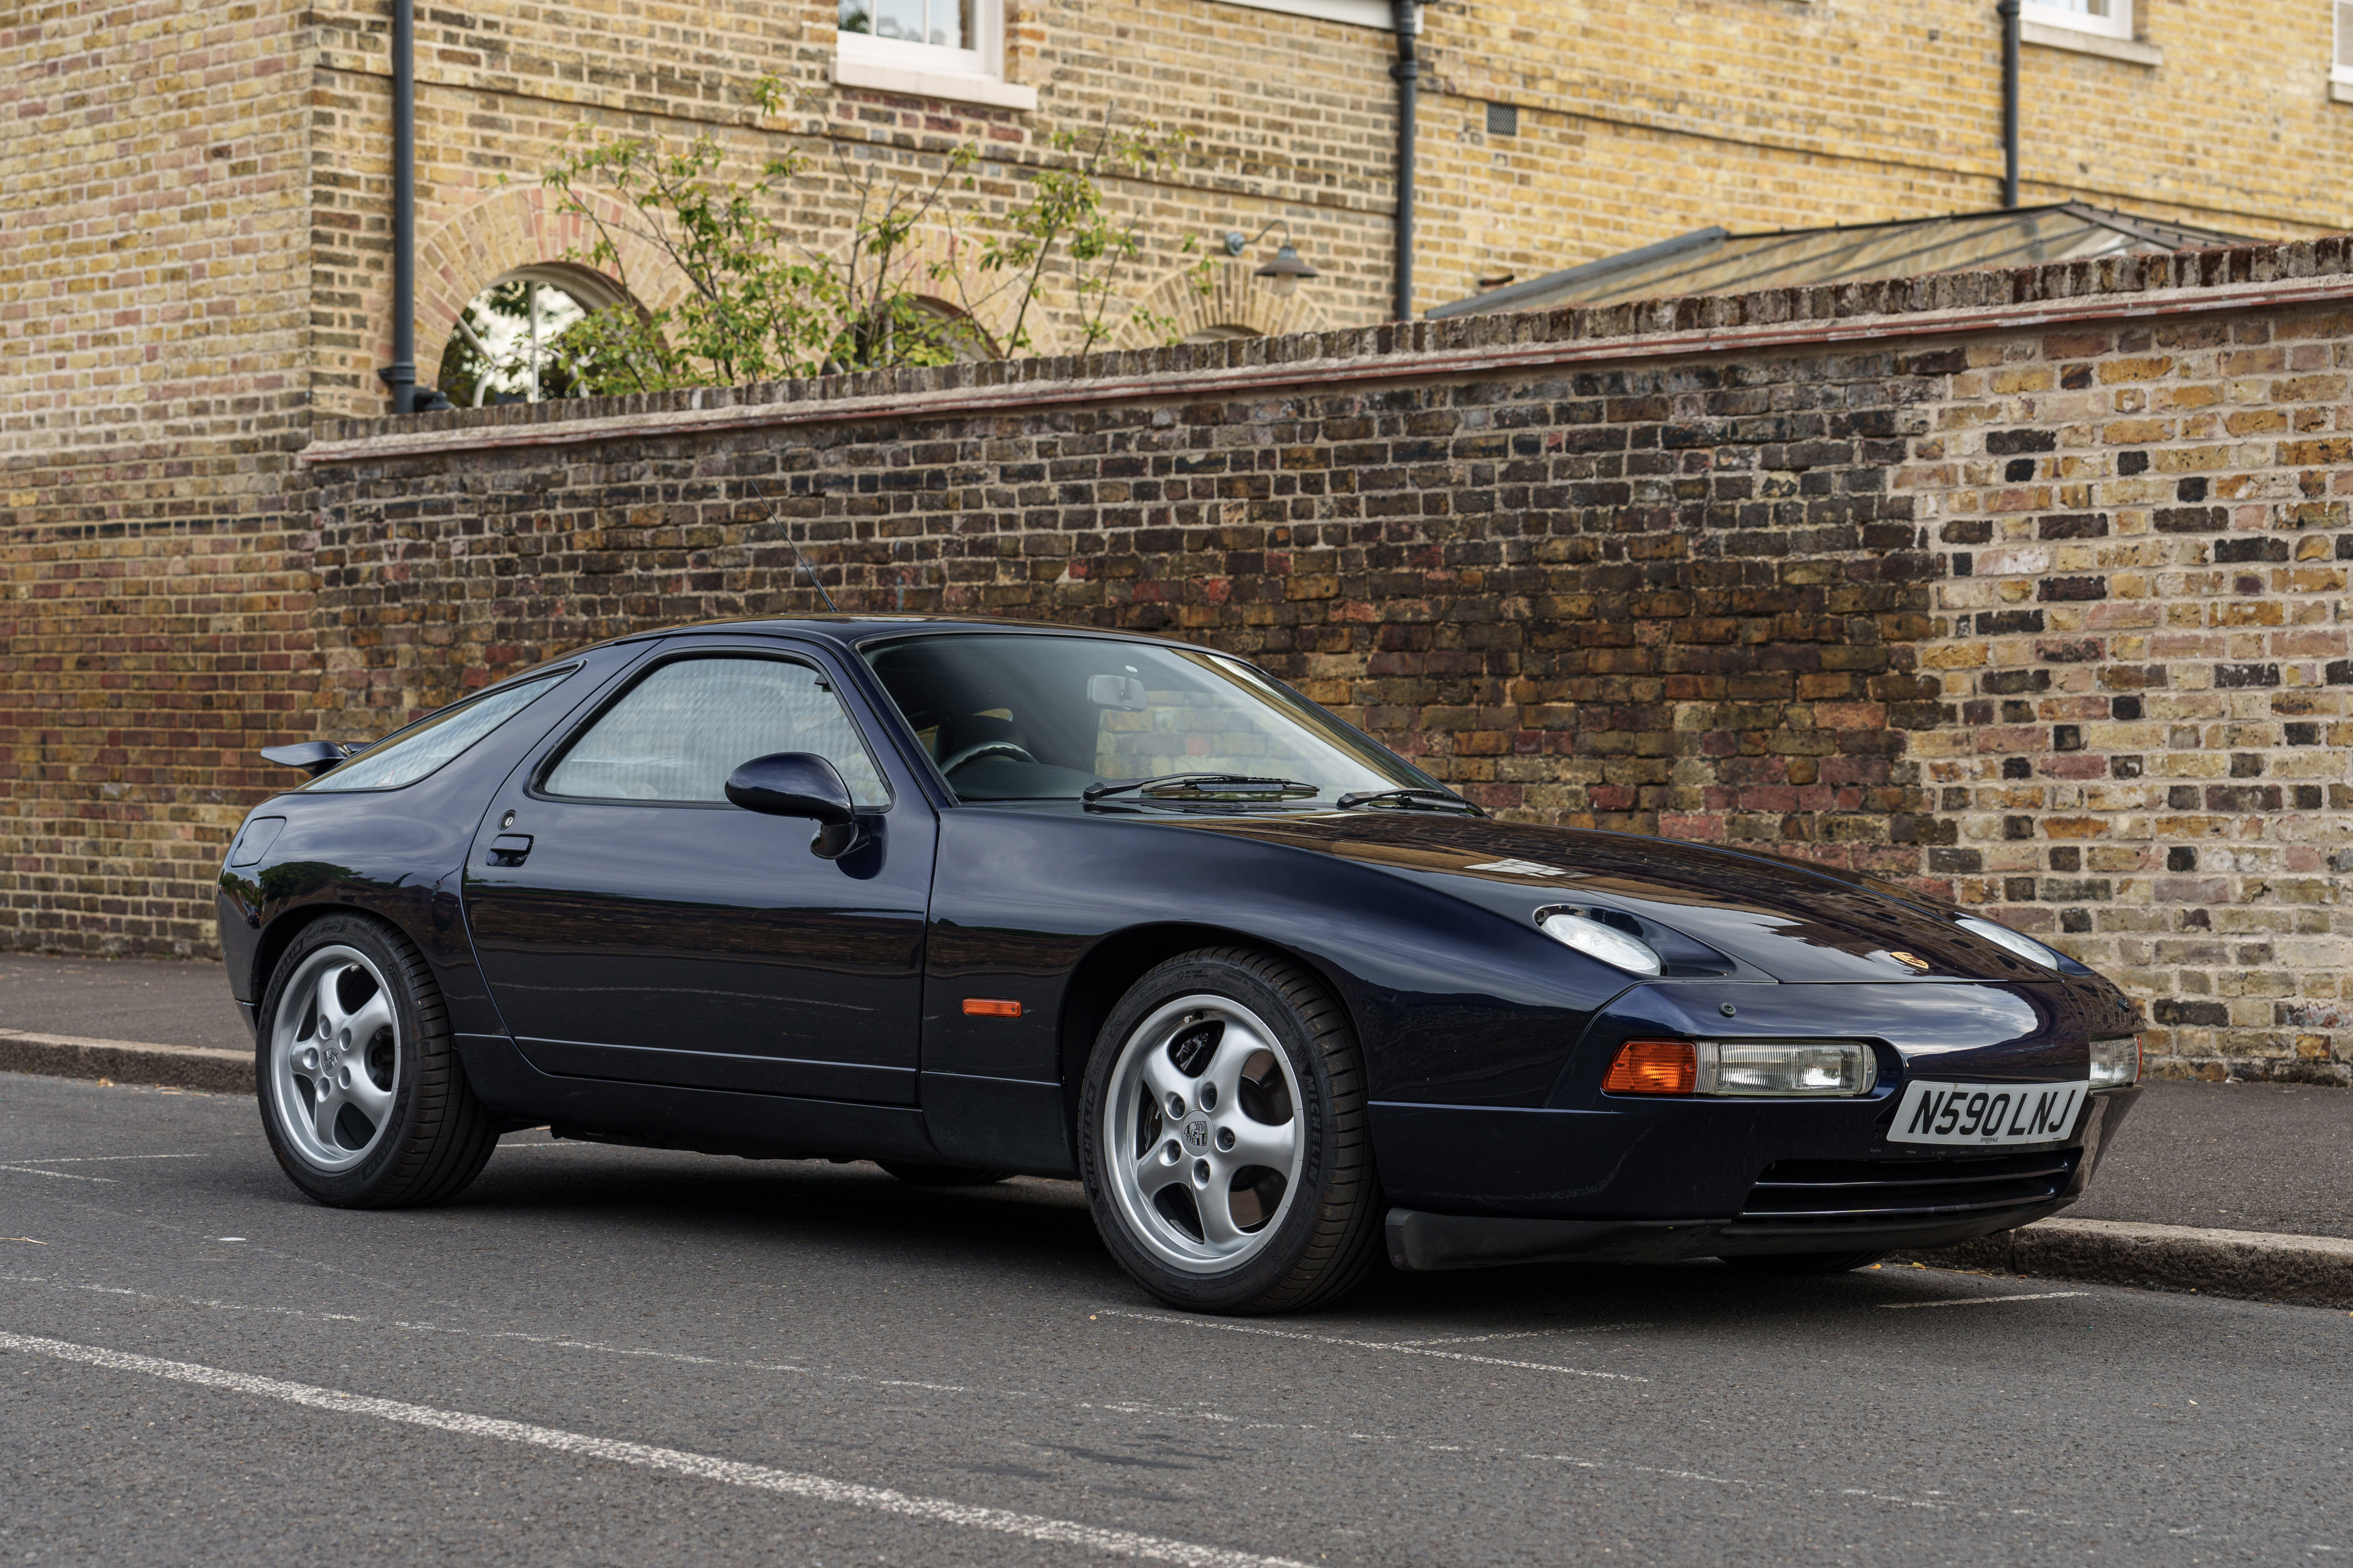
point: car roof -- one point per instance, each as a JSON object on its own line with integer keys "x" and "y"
{"x": 849, "y": 629}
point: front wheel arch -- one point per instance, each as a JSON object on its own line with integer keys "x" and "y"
{"x": 1111, "y": 968}
{"x": 1325, "y": 1230}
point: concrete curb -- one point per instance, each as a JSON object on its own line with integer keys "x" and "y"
{"x": 127, "y": 1061}
{"x": 2307, "y": 1270}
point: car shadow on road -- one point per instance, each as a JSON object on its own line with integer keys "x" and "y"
{"x": 1027, "y": 1228}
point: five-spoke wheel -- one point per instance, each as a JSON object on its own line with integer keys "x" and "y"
{"x": 1223, "y": 1136}
{"x": 1203, "y": 1119}
{"x": 361, "y": 1090}
{"x": 334, "y": 1054}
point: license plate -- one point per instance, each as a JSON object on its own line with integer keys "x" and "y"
{"x": 1978, "y": 1114}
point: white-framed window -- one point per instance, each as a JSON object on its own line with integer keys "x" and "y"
{"x": 936, "y": 48}
{"x": 2110, "y": 18}
{"x": 1377, "y": 13}
{"x": 2340, "y": 64}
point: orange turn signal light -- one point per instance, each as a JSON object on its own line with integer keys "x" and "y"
{"x": 981, "y": 1007}
{"x": 1653, "y": 1066}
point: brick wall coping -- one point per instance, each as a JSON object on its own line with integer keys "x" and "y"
{"x": 2112, "y": 289}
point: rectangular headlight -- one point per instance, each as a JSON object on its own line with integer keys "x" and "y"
{"x": 1780, "y": 1068}
{"x": 2115, "y": 1063}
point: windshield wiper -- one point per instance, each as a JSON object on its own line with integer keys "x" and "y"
{"x": 1410, "y": 799}
{"x": 1203, "y": 787}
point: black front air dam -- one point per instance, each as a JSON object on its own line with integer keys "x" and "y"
{"x": 1420, "y": 1241}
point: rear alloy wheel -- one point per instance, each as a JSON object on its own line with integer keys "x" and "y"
{"x": 362, "y": 1095}
{"x": 1224, "y": 1140}
{"x": 1804, "y": 1262}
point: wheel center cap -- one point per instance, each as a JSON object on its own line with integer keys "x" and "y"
{"x": 1197, "y": 1134}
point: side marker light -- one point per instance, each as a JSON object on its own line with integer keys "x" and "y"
{"x": 981, "y": 1007}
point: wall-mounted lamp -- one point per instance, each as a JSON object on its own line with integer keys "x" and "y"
{"x": 1286, "y": 272}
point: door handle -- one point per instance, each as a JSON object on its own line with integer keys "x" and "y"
{"x": 510, "y": 849}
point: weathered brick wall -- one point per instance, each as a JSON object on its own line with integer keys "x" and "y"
{"x": 2143, "y": 624}
{"x": 2024, "y": 586}
{"x": 2000, "y": 584}
{"x": 154, "y": 354}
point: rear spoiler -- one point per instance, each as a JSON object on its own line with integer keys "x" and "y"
{"x": 313, "y": 757}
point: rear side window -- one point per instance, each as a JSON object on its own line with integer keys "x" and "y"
{"x": 686, "y": 726}
{"x": 407, "y": 755}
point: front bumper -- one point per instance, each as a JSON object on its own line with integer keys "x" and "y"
{"x": 1669, "y": 1181}
{"x": 1420, "y": 1241}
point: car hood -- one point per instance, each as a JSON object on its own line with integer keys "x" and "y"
{"x": 1780, "y": 919}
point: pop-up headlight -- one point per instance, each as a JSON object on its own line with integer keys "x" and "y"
{"x": 2016, "y": 942}
{"x": 1607, "y": 943}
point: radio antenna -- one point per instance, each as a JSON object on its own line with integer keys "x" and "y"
{"x": 798, "y": 559}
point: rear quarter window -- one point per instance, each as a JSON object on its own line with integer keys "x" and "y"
{"x": 407, "y": 755}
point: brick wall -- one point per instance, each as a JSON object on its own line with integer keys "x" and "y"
{"x": 2143, "y": 630}
{"x": 2025, "y": 586}
{"x": 2021, "y": 586}
{"x": 153, "y": 346}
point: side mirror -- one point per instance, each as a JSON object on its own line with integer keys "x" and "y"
{"x": 800, "y": 784}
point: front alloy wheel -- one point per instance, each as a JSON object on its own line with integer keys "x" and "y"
{"x": 1224, "y": 1139}
{"x": 1202, "y": 1123}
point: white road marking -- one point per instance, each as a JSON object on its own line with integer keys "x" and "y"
{"x": 1527, "y": 1334}
{"x": 100, "y": 1159}
{"x": 676, "y": 1461}
{"x": 1369, "y": 1345}
{"x": 1981, "y": 1300}
{"x": 1934, "y": 1501}
{"x": 61, "y": 1175}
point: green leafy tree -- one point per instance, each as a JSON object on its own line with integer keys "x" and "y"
{"x": 1064, "y": 219}
{"x": 762, "y": 306}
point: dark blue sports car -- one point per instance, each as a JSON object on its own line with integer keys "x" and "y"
{"x": 971, "y": 899}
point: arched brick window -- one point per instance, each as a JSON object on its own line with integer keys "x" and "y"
{"x": 515, "y": 340}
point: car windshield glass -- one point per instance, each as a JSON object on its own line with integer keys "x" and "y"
{"x": 1032, "y": 716}
{"x": 407, "y": 755}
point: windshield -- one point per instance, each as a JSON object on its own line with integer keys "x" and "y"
{"x": 1015, "y": 717}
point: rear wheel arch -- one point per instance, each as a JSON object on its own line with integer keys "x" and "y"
{"x": 279, "y": 935}
{"x": 283, "y": 931}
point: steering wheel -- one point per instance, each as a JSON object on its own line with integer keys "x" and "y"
{"x": 987, "y": 749}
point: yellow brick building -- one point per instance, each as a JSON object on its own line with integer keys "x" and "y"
{"x": 194, "y": 240}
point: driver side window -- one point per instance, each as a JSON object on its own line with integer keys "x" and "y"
{"x": 683, "y": 728}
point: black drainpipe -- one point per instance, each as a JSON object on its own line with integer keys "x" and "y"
{"x": 2008, "y": 10}
{"x": 1408, "y": 72}
{"x": 400, "y": 375}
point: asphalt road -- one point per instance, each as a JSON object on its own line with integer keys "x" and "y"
{"x": 605, "y": 1356}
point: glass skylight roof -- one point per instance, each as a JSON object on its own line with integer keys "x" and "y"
{"x": 1715, "y": 261}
